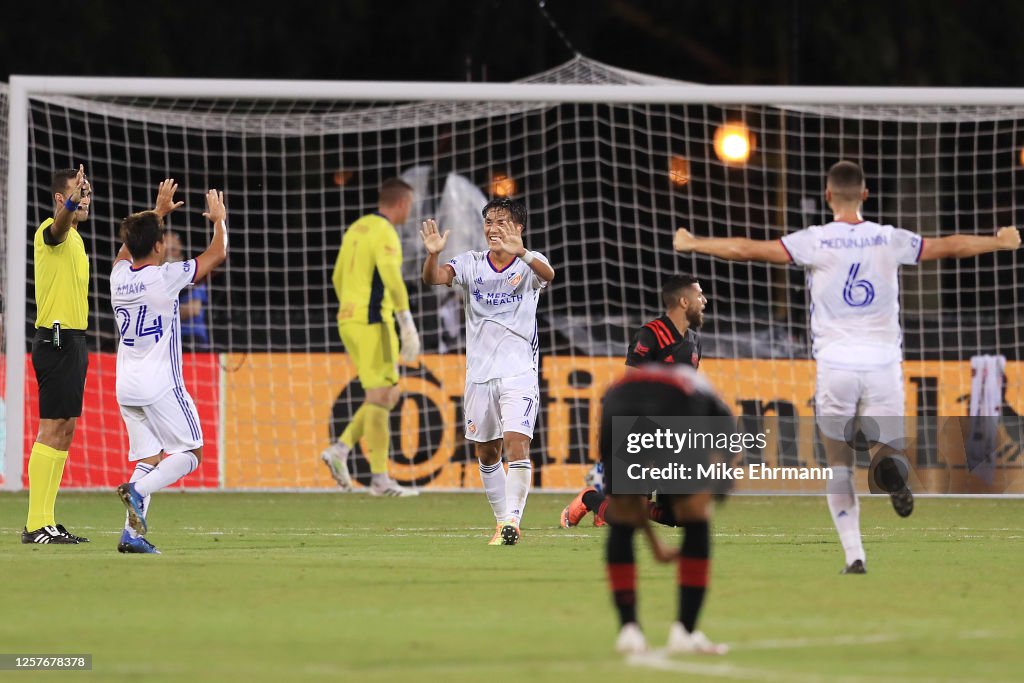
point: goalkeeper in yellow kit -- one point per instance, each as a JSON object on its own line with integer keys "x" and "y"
{"x": 372, "y": 296}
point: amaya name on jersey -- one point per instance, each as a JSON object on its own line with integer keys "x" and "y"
{"x": 145, "y": 302}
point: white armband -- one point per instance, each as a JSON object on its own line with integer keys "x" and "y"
{"x": 528, "y": 257}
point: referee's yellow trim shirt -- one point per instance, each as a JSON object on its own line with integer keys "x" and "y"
{"x": 62, "y": 280}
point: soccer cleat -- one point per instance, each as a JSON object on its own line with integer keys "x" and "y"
{"x": 575, "y": 511}
{"x": 134, "y": 502}
{"x": 386, "y": 486}
{"x": 856, "y": 567}
{"x": 681, "y": 642}
{"x": 335, "y": 457}
{"x": 64, "y": 532}
{"x": 902, "y": 502}
{"x": 496, "y": 538}
{"x": 46, "y": 535}
{"x": 510, "y": 534}
{"x": 137, "y": 545}
{"x": 599, "y": 520}
{"x": 631, "y": 640}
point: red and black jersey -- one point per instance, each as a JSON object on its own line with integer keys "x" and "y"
{"x": 660, "y": 342}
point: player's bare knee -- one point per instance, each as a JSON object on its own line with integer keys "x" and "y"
{"x": 694, "y": 508}
{"x": 198, "y": 452}
{"x": 489, "y": 453}
{"x": 516, "y": 446}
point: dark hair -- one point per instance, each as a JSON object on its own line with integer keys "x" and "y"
{"x": 846, "y": 181}
{"x": 392, "y": 191}
{"x": 673, "y": 288}
{"x": 59, "y": 182}
{"x": 141, "y": 231}
{"x": 515, "y": 207}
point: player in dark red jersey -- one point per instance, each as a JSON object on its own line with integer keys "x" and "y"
{"x": 672, "y": 338}
{"x": 659, "y": 390}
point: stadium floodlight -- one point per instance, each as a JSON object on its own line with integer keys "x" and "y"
{"x": 733, "y": 143}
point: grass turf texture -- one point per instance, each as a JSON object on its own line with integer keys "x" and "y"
{"x": 273, "y": 587}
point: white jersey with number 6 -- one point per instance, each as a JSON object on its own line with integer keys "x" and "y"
{"x": 853, "y": 277}
{"x": 145, "y": 304}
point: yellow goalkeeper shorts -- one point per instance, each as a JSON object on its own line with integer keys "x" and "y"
{"x": 373, "y": 349}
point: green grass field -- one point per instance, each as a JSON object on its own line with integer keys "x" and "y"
{"x": 282, "y": 587}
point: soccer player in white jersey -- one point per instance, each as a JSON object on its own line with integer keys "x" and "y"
{"x": 853, "y": 276}
{"x": 502, "y": 287}
{"x": 165, "y": 438}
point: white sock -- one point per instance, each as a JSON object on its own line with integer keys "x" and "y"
{"x": 171, "y": 469}
{"x": 493, "y": 477}
{"x": 141, "y": 470}
{"x": 517, "y": 488}
{"x": 845, "y": 509}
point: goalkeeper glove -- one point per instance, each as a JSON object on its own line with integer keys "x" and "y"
{"x": 409, "y": 336}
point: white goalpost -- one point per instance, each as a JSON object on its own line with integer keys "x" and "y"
{"x": 609, "y": 163}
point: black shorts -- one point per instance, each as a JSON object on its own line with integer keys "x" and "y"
{"x": 60, "y": 373}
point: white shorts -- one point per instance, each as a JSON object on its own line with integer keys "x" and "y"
{"x": 841, "y": 395}
{"x": 170, "y": 425}
{"x": 501, "y": 405}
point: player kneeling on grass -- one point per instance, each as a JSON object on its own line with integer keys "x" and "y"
{"x": 658, "y": 391}
{"x": 502, "y": 287}
{"x": 165, "y": 439}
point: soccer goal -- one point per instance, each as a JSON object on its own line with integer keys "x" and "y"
{"x": 609, "y": 162}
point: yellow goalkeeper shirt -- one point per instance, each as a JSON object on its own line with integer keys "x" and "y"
{"x": 62, "y": 280}
{"x": 368, "y": 272}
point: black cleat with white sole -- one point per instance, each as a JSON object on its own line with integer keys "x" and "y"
{"x": 46, "y": 535}
{"x": 64, "y": 532}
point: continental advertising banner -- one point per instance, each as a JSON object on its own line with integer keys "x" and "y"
{"x": 281, "y": 410}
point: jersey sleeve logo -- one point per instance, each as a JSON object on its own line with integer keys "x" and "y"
{"x": 641, "y": 350}
{"x": 186, "y": 266}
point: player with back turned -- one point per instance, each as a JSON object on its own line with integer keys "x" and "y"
{"x": 371, "y": 297}
{"x": 165, "y": 437}
{"x": 671, "y": 338}
{"x": 60, "y": 357}
{"x": 853, "y": 278}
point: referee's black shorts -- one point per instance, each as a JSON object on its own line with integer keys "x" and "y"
{"x": 60, "y": 373}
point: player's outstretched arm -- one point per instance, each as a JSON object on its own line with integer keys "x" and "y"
{"x": 62, "y": 219}
{"x": 434, "y": 241}
{"x": 215, "y": 254}
{"x": 731, "y": 248}
{"x": 963, "y": 246}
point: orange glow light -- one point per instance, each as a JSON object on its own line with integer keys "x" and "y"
{"x": 503, "y": 186}
{"x": 679, "y": 170}
{"x": 733, "y": 143}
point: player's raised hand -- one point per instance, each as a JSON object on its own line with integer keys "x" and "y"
{"x": 510, "y": 240}
{"x": 433, "y": 240}
{"x": 165, "y": 203}
{"x": 1009, "y": 237}
{"x": 216, "y": 211}
{"x": 684, "y": 240}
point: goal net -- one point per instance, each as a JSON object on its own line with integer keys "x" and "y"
{"x": 607, "y": 175}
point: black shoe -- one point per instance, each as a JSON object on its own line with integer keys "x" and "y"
{"x": 902, "y": 502}
{"x": 856, "y": 567}
{"x": 68, "y": 534}
{"x": 46, "y": 535}
{"x": 509, "y": 534}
